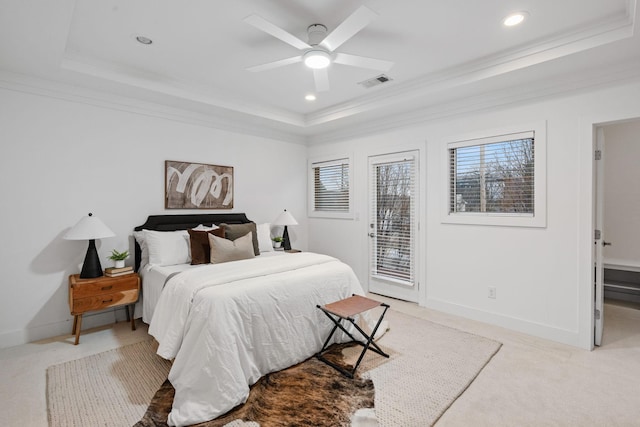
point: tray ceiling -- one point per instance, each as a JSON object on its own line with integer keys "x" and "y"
{"x": 441, "y": 50}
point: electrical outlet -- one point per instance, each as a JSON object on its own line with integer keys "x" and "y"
{"x": 492, "y": 292}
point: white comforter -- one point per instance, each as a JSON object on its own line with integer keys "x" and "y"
{"x": 226, "y": 325}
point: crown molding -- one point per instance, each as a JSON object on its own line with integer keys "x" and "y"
{"x": 218, "y": 118}
{"x": 569, "y": 43}
{"x": 172, "y": 87}
{"x": 605, "y": 76}
{"x": 567, "y": 85}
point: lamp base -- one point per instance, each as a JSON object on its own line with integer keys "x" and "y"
{"x": 285, "y": 239}
{"x": 91, "y": 267}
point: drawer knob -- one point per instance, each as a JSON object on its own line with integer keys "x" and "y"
{"x": 106, "y": 288}
{"x": 106, "y": 301}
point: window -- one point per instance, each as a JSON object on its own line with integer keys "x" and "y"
{"x": 330, "y": 188}
{"x": 497, "y": 180}
{"x": 493, "y": 177}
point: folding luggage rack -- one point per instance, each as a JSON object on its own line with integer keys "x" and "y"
{"x": 347, "y": 309}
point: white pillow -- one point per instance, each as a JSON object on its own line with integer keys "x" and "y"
{"x": 224, "y": 250}
{"x": 264, "y": 237}
{"x": 203, "y": 227}
{"x": 167, "y": 247}
{"x": 144, "y": 256}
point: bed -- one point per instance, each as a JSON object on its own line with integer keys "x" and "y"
{"x": 226, "y": 325}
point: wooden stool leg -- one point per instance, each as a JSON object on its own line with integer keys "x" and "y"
{"x": 78, "y": 326}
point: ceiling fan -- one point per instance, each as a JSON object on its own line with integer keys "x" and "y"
{"x": 319, "y": 52}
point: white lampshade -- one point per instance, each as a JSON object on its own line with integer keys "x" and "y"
{"x": 89, "y": 227}
{"x": 285, "y": 218}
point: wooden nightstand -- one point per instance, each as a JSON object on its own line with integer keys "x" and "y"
{"x": 100, "y": 293}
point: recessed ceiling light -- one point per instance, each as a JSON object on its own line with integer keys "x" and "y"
{"x": 515, "y": 19}
{"x": 144, "y": 40}
{"x": 310, "y": 97}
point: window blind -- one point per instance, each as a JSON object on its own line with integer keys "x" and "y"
{"x": 331, "y": 186}
{"x": 394, "y": 206}
{"x": 495, "y": 175}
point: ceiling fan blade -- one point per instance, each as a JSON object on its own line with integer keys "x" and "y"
{"x": 321, "y": 78}
{"x": 362, "y": 62}
{"x": 277, "y": 32}
{"x": 275, "y": 64}
{"x": 350, "y": 26}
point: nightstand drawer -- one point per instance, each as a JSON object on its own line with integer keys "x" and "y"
{"x": 98, "y": 302}
{"x": 99, "y": 293}
{"x": 112, "y": 285}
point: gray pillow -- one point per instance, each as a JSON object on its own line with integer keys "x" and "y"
{"x": 233, "y": 231}
{"x": 224, "y": 250}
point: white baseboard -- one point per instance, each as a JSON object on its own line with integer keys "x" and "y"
{"x": 531, "y": 328}
{"x": 37, "y": 333}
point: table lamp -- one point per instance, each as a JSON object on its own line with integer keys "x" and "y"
{"x": 285, "y": 218}
{"x": 90, "y": 228}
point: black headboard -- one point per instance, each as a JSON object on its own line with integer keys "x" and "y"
{"x": 183, "y": 222}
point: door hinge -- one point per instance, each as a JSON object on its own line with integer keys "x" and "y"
{"x": 597, "y": 234}
{"x": 598, "y": 154}
{"x": 597, "y": 314}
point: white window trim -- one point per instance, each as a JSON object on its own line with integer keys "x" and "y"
{"x": 311, "y": 211}
{"x": 538, "y": 219}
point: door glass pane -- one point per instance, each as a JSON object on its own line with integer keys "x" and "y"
{"x": 394, "y": 210}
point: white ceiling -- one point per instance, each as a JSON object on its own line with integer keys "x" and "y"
{"x": 444, "y": 52}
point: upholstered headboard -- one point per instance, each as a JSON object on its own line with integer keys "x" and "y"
{"x": 183, "y": 222}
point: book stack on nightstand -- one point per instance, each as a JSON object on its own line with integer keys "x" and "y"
{"x": 115, "y": 272}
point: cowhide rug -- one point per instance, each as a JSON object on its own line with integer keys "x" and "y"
{"x": 308, "y": 394}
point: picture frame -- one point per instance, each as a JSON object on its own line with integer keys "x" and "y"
{"x": 190, "y": 185}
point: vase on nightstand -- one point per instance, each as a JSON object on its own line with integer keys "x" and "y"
{"x": 118, "y": 263}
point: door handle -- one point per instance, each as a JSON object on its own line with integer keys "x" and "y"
{"x": 372, "y": 235}
{"x": 606, "y": 243}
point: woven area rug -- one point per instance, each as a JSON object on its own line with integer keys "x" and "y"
{"x": 112, "y": 388}
{"x": 430, "y": 367}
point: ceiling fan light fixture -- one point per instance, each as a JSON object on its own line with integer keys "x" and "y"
{"x": 317, "y": 59}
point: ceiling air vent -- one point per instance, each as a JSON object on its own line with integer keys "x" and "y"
{"x": 382, "y": 78}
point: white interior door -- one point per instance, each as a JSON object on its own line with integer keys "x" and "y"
{"x": 393, "y": 225}
{"x": 599, "y": 239}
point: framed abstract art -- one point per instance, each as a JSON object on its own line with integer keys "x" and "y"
{"x": 198, "y": 186}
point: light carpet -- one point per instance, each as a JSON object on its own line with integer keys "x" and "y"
{"x": 430, "y": 367}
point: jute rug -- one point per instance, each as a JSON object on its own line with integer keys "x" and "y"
{"x": 430, "y": 367}
{"x": 112, "y": 388}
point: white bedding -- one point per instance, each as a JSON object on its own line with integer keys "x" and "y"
{"x": 226, "y": 325}
{"x": 154, "y": 278}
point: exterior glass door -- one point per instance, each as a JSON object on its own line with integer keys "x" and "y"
{"x": 393, "y": 180}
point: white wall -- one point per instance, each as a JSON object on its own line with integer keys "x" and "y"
{"x": 622, "y": 195}
{"x": 61, "y": 160}
{"x": 543, "y": 276}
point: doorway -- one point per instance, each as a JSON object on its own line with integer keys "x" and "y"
{"x": 617, "y": 219}
{"x": 393, "y": 225}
